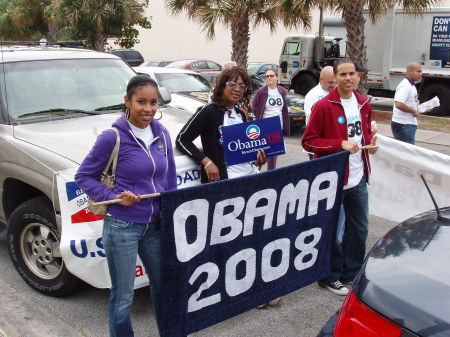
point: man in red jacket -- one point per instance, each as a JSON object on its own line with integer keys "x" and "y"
{"x": 341, "y": 122}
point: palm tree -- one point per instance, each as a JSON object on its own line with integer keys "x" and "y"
{"x": 238, "y": 15}
{"x": 96, "y": 20}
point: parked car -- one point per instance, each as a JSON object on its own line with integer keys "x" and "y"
{"x": 189, "y": 90}
{"x": 260, "y": 68}
{"x": 155, "y": 63}
{"x": 130, "y": 56}
{"x": 196, "y": 65}
{"x": 403, "y": 288}
{"x": 54, "y": 102}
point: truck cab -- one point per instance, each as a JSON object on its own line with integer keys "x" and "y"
{"x": 302, "y": 57}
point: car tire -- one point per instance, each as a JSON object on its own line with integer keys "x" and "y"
{"x": 443, "y": 93}
{"x": 304, "y": 84}
{"x": 33, "y": 244}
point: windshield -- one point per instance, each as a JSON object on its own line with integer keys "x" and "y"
{"x": 60, "y": 87}
{"x": 179, "y": 82}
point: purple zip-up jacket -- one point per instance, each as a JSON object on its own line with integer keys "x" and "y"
{"x": 139, "y": 170}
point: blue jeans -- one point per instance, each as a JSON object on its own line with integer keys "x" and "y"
{"x": 348, "y": 256}
{"x": 123, "y": 241}
{"x": 404, "y": 132}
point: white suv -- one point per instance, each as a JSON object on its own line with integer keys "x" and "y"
{"x": 53, "y": 104}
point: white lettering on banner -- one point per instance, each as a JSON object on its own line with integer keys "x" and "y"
{"x": 248, "y": 257}
{"x": 194, "y": 303}
{"x": 195, "y": 208}
{"x": 316, "y": 194}
{"x": 237, "y": 145}
{"x": 268, "y": 272}
{"x": 199, "y": 209}
{"x": 252, "y": 210}
{"x": 290, "y": 195}
{"x": 222, "y": 221}
{"x": 233, "y": 285}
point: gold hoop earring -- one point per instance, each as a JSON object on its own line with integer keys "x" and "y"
{"x": 127, "y": 113}
{"x": 157, "y": 119}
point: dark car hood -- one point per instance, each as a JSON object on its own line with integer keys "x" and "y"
{"x": 407, "y": 275}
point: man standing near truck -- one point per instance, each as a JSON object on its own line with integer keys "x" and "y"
{"x": 342, "y": 122}
{"x": 404, "y": 117}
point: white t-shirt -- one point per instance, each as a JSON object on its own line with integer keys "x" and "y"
{"x": 274, "y": 105}
{"x": 405, "y": 93}
{"x": 241, "y": 169}
{"x": 314, "y": 95}
{"x": 354, "y": 127}
{"x": 146, "y": 135}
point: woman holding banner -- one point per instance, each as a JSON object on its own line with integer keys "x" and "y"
{"x": 232, "y": 87}
{"x": 132, "y": 227}
{"x": 270, "y": 101}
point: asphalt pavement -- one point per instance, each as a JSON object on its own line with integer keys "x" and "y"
{"x": 22, "y": 315}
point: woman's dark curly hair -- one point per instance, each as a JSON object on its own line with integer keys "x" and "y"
{"x": 231, "y": 74}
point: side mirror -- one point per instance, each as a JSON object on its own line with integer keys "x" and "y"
{"x": 283, "y": 67}
{"x": 164, "y": 95}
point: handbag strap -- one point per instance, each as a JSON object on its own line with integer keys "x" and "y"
{"x": 113, "y": 157}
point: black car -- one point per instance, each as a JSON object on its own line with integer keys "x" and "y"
{"x": 404, "y": 286}
{"x": 130, "y": 56}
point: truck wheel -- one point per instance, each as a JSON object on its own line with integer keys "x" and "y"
{"x": 33, "y": 244}
{"x": 304, "y": 84}
{"x": 443, "y": 93}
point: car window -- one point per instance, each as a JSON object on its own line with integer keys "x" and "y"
{"x": 179, "y": 64}
{"x": 183, "y": 82}
{"x": 213, "y": 66}
{"x": 291, "y": 48}
{"x": 199, "y": 65}
{"x": 84, "y": 84}
{"x": 252, "y": 68}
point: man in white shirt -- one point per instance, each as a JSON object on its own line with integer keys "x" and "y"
{"x": 404, "y": 117}
{"x": 327, "y": 82}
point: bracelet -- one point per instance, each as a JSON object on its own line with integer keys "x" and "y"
{"x": 207, "y": 164}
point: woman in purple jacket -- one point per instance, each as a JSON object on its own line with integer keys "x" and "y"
{"x": 270, "y": 101}
{"x": 131, "y": 227}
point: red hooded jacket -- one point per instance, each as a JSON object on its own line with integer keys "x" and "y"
{"x": 327, "y": 128}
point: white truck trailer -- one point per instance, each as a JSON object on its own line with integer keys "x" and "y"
{"x": 397, "y": 39}
{"x": 394, "y": 41}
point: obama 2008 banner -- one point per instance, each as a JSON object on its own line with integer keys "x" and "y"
{"x": 232, "y": 245}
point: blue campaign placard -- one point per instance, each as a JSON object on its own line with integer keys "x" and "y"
{"x": 241, "y": 142}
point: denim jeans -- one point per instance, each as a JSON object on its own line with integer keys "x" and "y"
{"x": 340, "y": 225}
{"x": 123, "y": 241}
{"x": 404, "y": 132}
{"x": 348, "y": 256}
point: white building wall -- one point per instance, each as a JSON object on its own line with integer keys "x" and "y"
{"x": 177, "y": 37}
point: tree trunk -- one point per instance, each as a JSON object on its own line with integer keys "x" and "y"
{"x": 99, "y": 39}
{"x": 354, "y": 24}
{"x": 53, "y": 31}
{"x": 240, "y": 37}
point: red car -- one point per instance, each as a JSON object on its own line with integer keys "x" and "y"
{"x": 196, "y": 65}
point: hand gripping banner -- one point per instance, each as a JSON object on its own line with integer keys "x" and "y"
{"x": 232, "y": 245}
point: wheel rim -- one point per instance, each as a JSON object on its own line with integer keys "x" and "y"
{"x": 39, "y": 247}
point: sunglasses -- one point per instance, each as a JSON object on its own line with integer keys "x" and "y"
{"x": 270, "y": 76}
{"x": 234, "y": 85}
